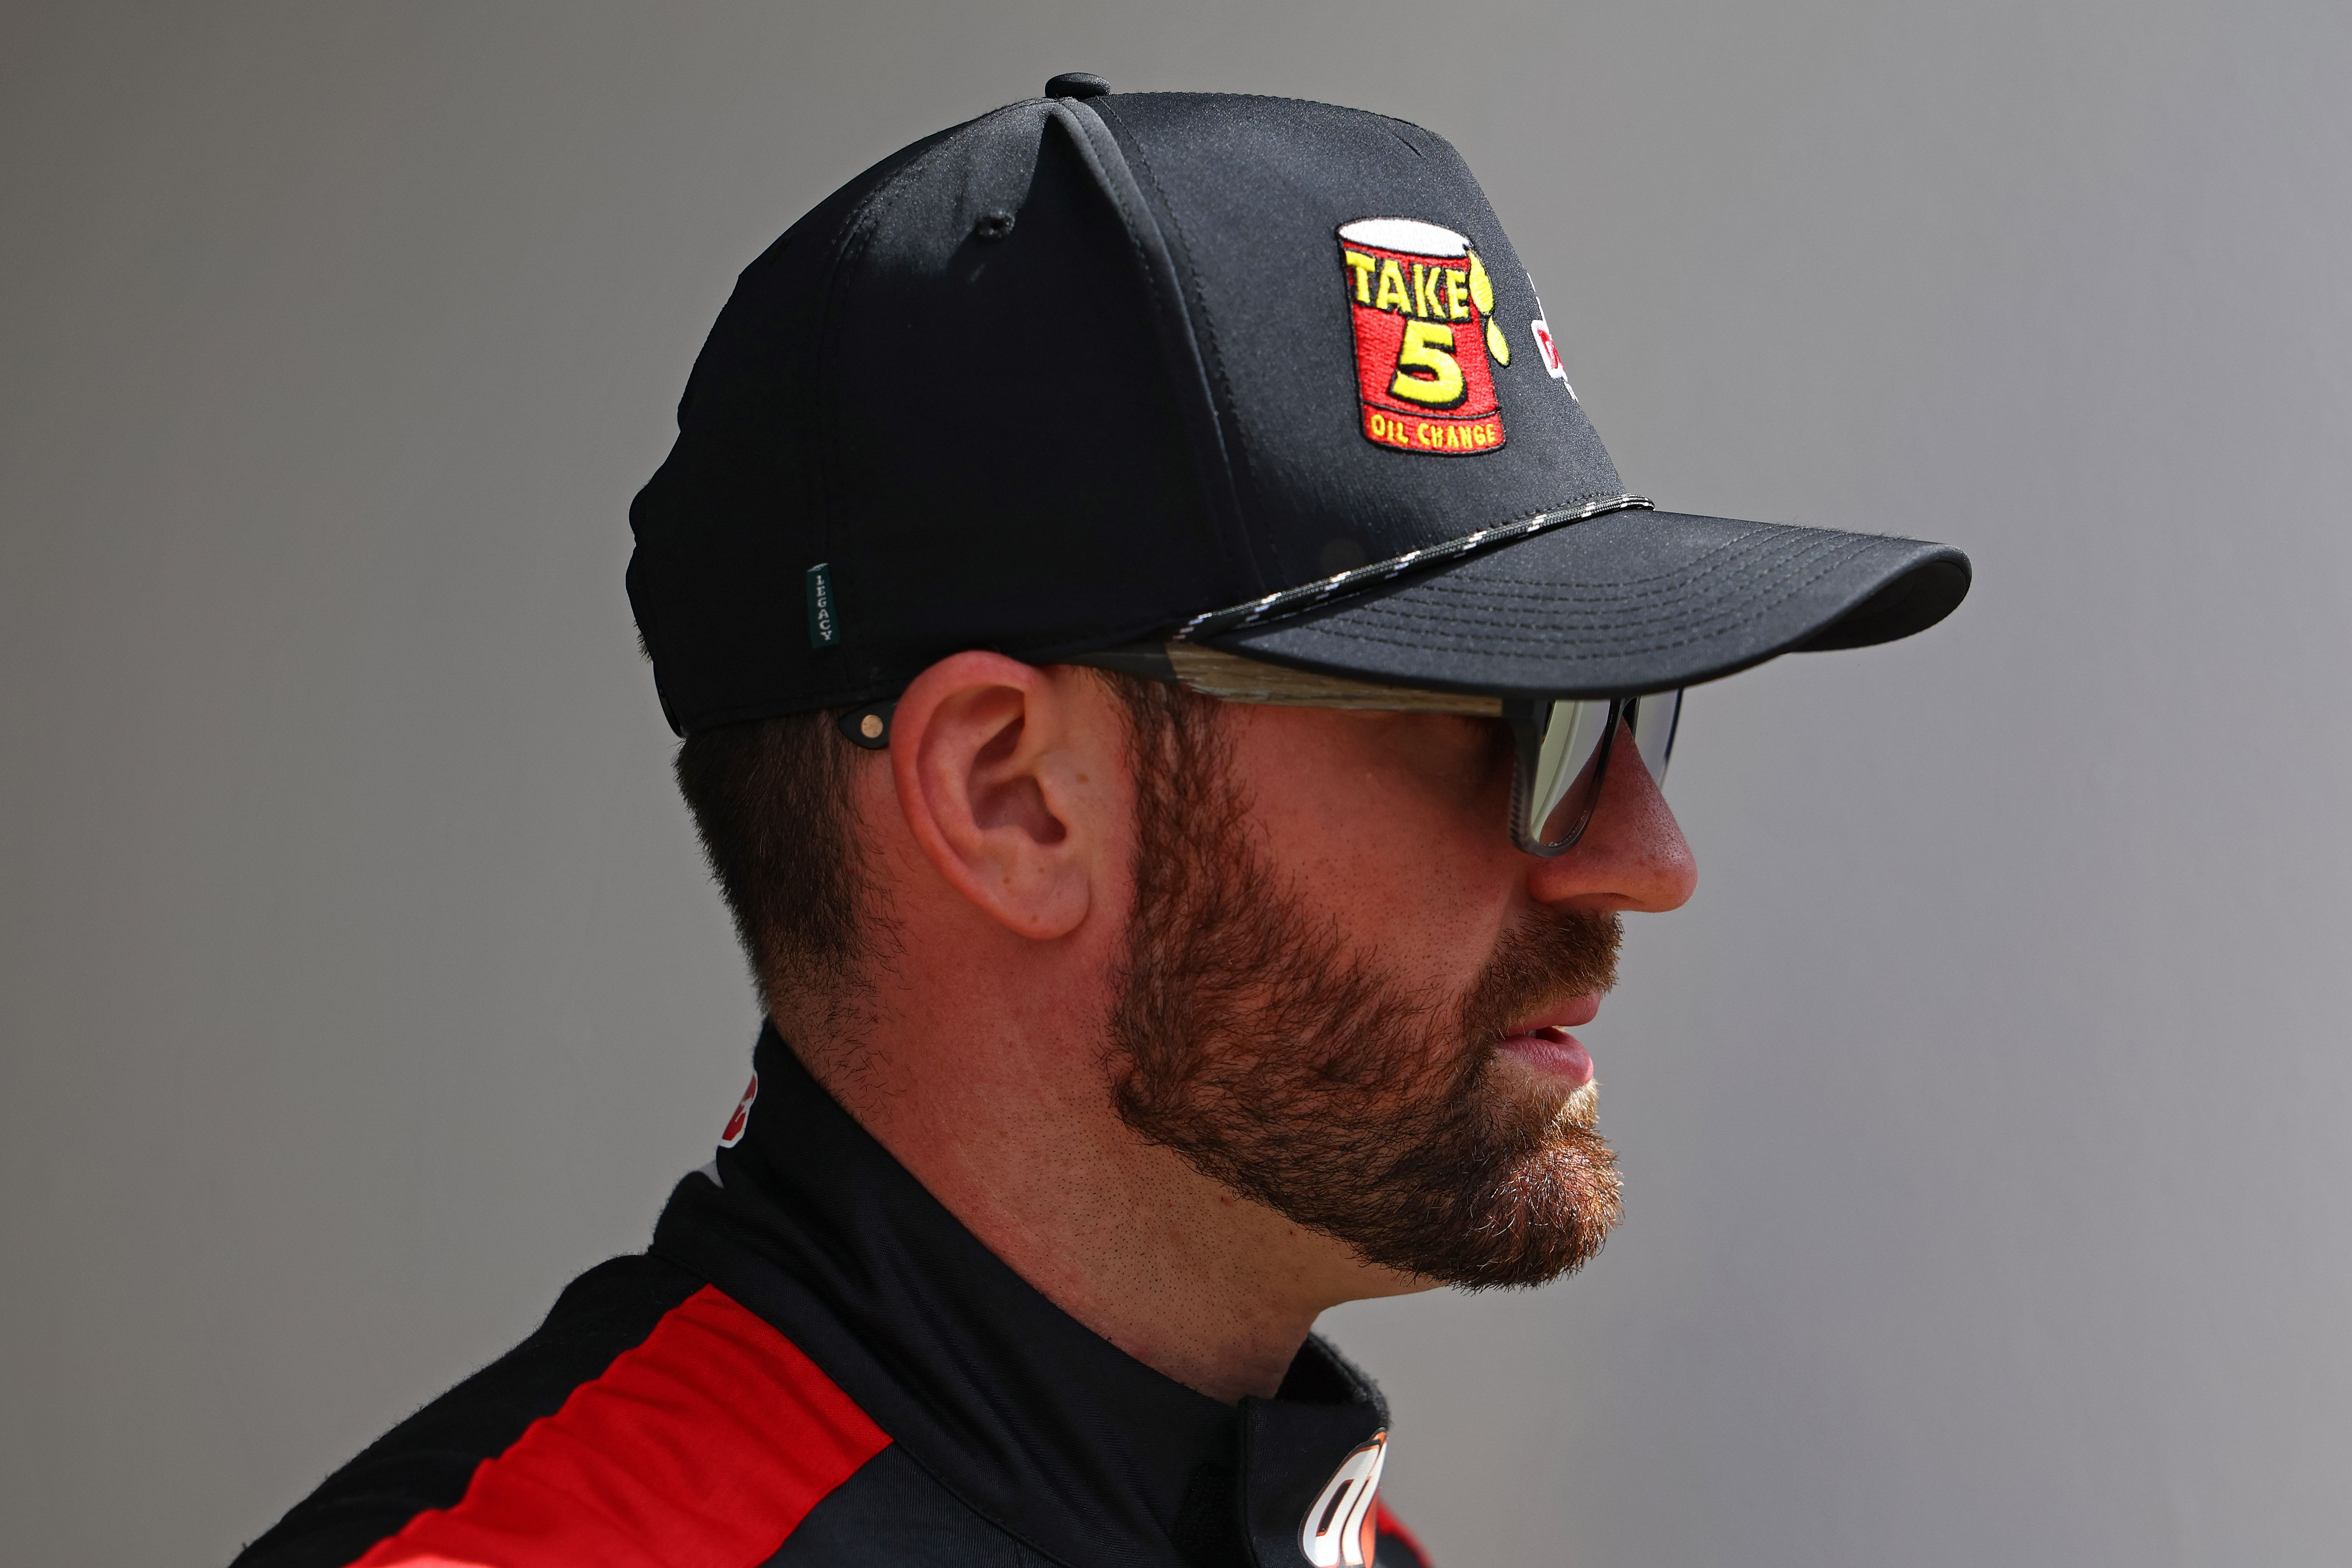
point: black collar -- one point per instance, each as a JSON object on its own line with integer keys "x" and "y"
{"x": 1032, "y": 1419}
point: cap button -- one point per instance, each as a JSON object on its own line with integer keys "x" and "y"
{"x": 1077, "y": 84}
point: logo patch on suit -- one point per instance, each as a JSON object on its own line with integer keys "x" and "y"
{"x": 1338, "y": 1530}
{"x": 741, "y": 1119}
{"x": 1427, "y": 341}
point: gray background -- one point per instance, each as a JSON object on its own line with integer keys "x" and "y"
{"x": 1985, "y": 1117}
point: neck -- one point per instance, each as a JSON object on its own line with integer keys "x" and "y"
{"x": 1011, "y": 1128}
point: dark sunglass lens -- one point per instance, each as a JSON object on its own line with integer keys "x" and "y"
{"x": 1565, "y": 783}
{"x": 1655, "y": 719}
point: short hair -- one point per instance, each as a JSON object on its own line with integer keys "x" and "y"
{"x": 772, "y": 802}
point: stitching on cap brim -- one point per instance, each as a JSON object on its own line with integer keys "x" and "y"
{"x": 1552, "y": 628}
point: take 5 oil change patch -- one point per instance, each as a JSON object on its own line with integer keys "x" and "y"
{"x": 1427, "y": 341}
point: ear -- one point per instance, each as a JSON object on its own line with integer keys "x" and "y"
{"x": 1003, "y": 771}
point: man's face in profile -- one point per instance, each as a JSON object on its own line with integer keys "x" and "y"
{"x": 1398, "y": 1077}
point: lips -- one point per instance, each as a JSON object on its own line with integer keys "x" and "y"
{"x": 1545, "y": 1045}
{"x": 1573, "y": 1014}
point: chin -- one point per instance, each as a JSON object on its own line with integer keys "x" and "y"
{"x": 1582, "y": 1108}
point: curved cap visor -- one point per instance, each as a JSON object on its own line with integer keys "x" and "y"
{"x": 1629, "y": 602}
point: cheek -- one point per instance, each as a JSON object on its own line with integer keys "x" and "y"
{"x": 1390, "y": 827}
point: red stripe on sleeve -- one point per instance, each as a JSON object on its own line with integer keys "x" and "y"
{"x": 708, "y": 1444}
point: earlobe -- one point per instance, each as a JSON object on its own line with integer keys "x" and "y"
{"x": 980, "y": 752}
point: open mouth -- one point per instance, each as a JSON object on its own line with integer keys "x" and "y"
{"x": 1546, "y": 1045}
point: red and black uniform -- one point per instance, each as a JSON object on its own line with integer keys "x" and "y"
{"x": 814, "y": 1366}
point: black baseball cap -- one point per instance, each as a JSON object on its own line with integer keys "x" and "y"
{"x": 1099, "y": 370}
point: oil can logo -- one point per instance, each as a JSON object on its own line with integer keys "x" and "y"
{"x": 736, "y": 1124}
{"x": 1426, "y": 343}
{"x": 1338, "y": 1530}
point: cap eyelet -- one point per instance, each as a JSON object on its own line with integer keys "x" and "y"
{"x": 992, "y": 225}
{"x": 870, "y": 726}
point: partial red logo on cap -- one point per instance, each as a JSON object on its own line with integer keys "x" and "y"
{"x": 1426, "y": 343}
{"x": 742, "y": 1117}
{"x": 1547, "y": 349}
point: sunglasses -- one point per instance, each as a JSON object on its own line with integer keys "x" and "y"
{"x": 1562, "y": 750}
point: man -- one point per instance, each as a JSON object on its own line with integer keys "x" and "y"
{"x": 1175, "y": 695}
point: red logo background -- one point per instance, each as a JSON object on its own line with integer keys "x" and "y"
{"x": 1425, "y": 379}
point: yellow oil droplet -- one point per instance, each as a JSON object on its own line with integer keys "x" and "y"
{"x": 1497, "y": 344}
{"x": 1482, "y": 288}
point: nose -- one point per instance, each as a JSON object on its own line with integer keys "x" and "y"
{"x": 1631, "y": 856}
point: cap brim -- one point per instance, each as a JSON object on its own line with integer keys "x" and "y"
{"x": 1625, "y": 602}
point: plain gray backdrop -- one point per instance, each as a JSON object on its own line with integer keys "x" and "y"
{"x": 1987, "y": 1118}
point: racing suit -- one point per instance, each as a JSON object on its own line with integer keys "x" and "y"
{"x": 816, "y": 1365}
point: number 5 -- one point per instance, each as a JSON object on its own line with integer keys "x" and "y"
{"x": 1428, "y": 346}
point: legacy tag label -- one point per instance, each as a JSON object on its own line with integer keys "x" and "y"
{"x": 823, "y": 629}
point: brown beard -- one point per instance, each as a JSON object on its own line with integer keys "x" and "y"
{"x": 1249, "y": 1039}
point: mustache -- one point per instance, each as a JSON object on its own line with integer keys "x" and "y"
{"x": 1550, "y": 958}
